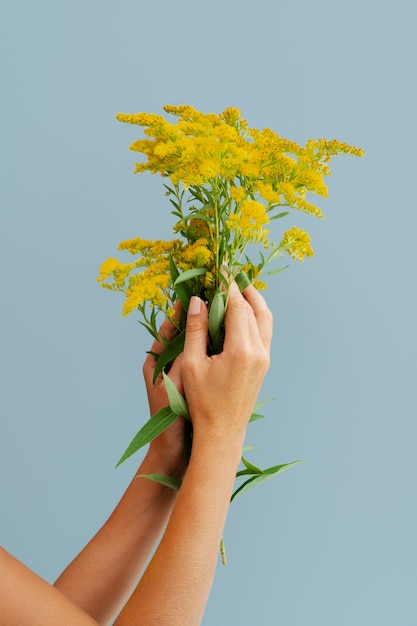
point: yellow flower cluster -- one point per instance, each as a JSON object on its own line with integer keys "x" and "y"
{"x": 226, "y": 181}
{"x": 201, "y": 147}
{"x": 148, "y": 279}
{"x": 248, "y": 222}
{"x": 296, "y": 242}
{"x": 140, "y": 285}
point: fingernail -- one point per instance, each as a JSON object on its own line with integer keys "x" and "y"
{"x": 194, "y": 308}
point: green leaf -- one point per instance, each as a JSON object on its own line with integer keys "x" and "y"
{"x": 188, "y": 274}
{"x": 150, "y": 330}
{"x": 177, "y": 402}
{"x": 246, "y": 472}
{"x": 183, "y": 291}
{"x": 198, "y": 215}
{"x": 172, "y": 350}
{"x": 276, "y": 271}
{"x": 277, "y": 217}
{"x": 240, "y": 489}
{"x": 242, "y": 281}
{"x": 216, "y": 319}
{"x": 153, "y": 427}
{"x": 256, "y": 416}
{"x": 168, "y": 481}
{"x": 173, "y": 269}
{"x": 249, "y": 466}
{"x": 278, "y": 469}
{"x": 261, "y": 478}
{"x": 258, "y": 405}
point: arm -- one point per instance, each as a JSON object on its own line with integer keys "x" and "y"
{"x": 99, "y": 581}
{"x": 104, "y": 574}
{"x": 221, "y": 392}
{"x": 28, "y": 600}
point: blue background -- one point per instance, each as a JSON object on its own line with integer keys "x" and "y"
{"x": 333, "y": 540}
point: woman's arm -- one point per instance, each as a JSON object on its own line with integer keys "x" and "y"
{"x": 221, "y": 392}
{"x": 102, "y": 577}
{"x": 27, "y": 600}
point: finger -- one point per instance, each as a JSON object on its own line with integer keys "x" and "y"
{"x": 195, "y": 346}
{"x": 262, "y": 313}
{"x": 240, "y": 318}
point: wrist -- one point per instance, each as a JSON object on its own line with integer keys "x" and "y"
{"x": 159, "y": 460}
{"x": 222, "y": 449}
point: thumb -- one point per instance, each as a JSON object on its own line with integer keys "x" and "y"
{"x": 195, "y": 346}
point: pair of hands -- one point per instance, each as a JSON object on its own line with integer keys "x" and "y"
{"x": 222, "y": 389}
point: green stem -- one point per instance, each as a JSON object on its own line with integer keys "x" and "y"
{"x": 223, "y": 551}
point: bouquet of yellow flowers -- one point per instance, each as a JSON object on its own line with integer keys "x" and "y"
{"x": 226, "y": 183}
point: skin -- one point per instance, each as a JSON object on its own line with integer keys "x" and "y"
{"x": 221, "y": 392}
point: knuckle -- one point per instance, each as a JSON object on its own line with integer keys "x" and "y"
{"x": 194, "y": 325}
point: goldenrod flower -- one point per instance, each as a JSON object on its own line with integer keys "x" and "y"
{"x": 296, "y": 242}
{"x": 225, "y": 181}
{"x": 198, "y": 254}
{"x": 237, "y": 193}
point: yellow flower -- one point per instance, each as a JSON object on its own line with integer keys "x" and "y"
{"x": 267, "y": 193}
{"x": 146, "y": 287}
{"x": 237, "y": 193}
{"x": 248, "y": 222}
{"x": 225, "y": 181}
{"x": 296, "y": 241}
{"x": 198, "y": 254}
{"x": 118, "y": 271}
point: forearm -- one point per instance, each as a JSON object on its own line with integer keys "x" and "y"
{"x": 102, "y": 576}
{"x": 176, "y": 584}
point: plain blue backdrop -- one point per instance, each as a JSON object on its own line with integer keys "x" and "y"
{"x": 333, "y": 540}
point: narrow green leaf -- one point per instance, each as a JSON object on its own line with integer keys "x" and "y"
{"x": 256, "y": 416}
{"x": 277, "y": 469}
{"x": 246, "y": 472}
{"x": 188, "y": 274}
{"x": 216, "y": 319}
{"x": 277, "y": 271}
{"x": 277, "y": 217}
{"x": 153, "y": 427}
{"x": 260, "y": 478}
{"x": 240, "y": 489}
{"x": 258, "y": 405}
{"x": 149, "y": 329}
{"x": 172, "y": 350}
{"x": 173, "y": 269}
{"x": 250, "y": 466}
{"x": 168, "y": 481}
{"x": 154, "y": 354}
{"x": 198, "y": 215}
{"x": 242, "y": 281}
{"x": 177, "y": 403}
{"x": 182, "y": 290}
{"x": 184, "y": 295}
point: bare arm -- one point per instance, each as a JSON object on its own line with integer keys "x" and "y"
{"x": 28, "y": 600}
{"x": 221, "y": 393}
{"x": 102, "y": 577}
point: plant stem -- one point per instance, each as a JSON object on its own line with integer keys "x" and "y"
{"x": 223, "y": 551}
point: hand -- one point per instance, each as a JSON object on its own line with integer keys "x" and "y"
{"x": 221, "y": 390}
{"x": 168, "y": 448}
